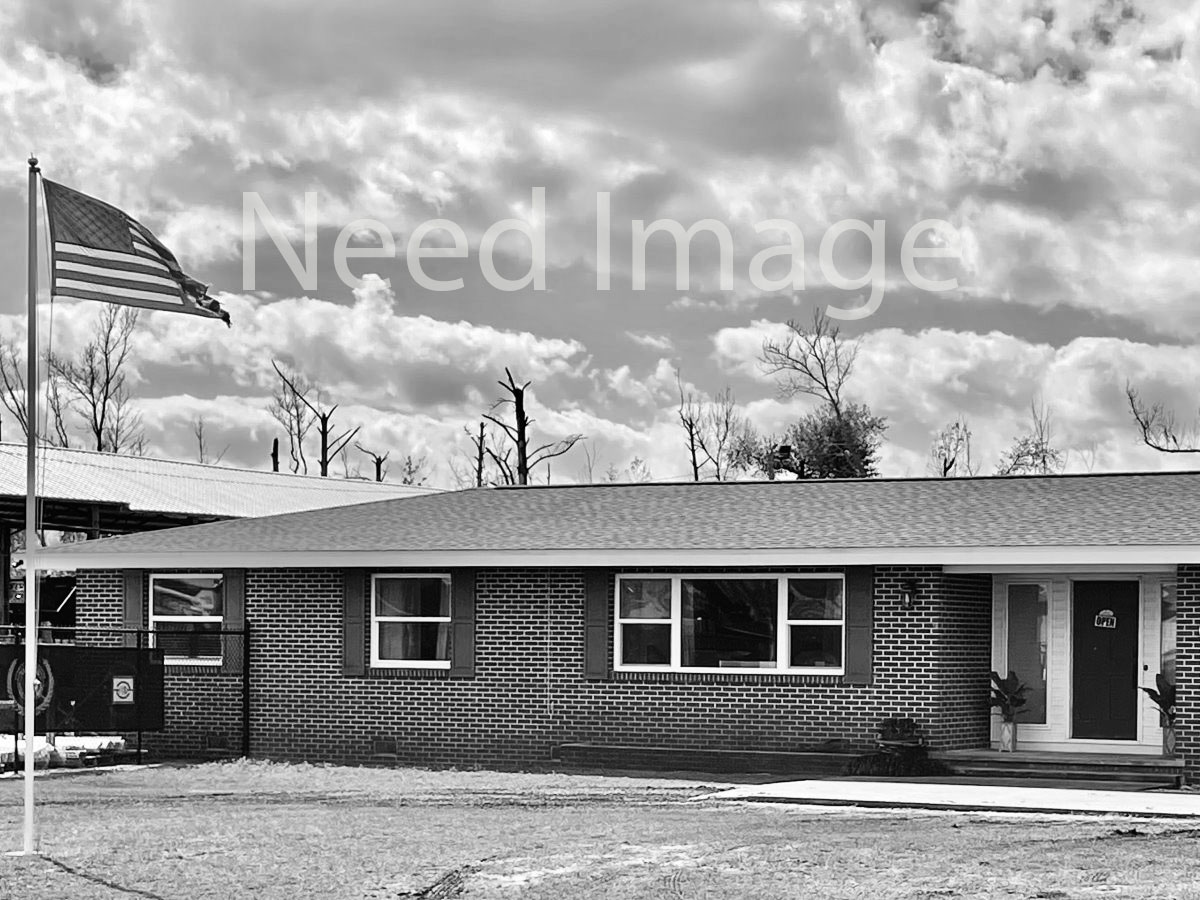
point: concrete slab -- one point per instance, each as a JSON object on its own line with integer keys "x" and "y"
{"x": 969, "y": 797}
{"x": 1076, "y": 784}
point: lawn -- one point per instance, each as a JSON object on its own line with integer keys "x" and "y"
{"x": 294, "y": 832}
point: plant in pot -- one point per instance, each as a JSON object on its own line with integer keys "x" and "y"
{"x": 1008, "y": 696}
{"x": 1164, "y": 698}
{"x": 898, "y": 733}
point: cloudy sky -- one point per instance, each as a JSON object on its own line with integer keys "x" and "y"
{"x": 1057, "y": 138}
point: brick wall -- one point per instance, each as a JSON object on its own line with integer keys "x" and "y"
{"x": 1187, "y": 668}
{"x": 198, "y": 702}
{"x": 100, "y": 604}
{"x": 529, "y": 694}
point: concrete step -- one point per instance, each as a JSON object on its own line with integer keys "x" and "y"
{"x": 1068, "y": 773}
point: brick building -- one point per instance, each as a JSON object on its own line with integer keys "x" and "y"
{"x": 497, "y": 626}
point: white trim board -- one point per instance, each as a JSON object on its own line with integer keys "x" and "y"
{"x": 954, "y": 559}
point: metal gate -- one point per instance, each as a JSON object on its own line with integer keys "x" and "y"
{"x": 179, "y": 693}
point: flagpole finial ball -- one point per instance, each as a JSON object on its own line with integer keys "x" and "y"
{"x": 32, "y": 161}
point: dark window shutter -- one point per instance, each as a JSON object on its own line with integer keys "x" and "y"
{"x": 860, "y": 595}
{"x": 233, "y": 645}
{"x": 135, "y": 606}
{"x": 596, "y": 662}
{"x": 462, "y": 623}
{"x": 354, "y": 614}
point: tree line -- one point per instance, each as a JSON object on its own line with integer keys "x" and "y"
{"x": 90, "y": 405}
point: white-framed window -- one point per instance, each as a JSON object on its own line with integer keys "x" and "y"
{"x": 1026, "y": 652}
{"x": 186, "y": 616}
{"x": 1168, "y": 637}
{"x": 725, "y": 623}
{"x": 410, "y": 621}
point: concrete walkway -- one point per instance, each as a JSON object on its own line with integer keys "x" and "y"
{"x": 973, "y": 797}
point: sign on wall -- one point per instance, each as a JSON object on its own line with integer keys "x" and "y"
{"x": 122, "y": 689}
{"x": 80, "y": 688}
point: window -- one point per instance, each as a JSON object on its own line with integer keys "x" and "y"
{"x": 815, "y": 617}
{"x": 1169, "y": 621}
{"x": 1027, "y": 605}
{"x": 186, "y": 615}
{"x": 726, "y": 623}
{"x": 644, "y": 620}
{"x": 410, "y": 621}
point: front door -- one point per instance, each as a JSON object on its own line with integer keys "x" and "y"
{"x": 1104, "y": 660}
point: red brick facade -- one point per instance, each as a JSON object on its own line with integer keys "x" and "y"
{"x": 199, "y": 701}
{"x": 529, "y": 693}
{"x": 1187, "y": 667}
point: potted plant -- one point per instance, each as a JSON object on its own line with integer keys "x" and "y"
{"x": 1008, "y": 696}
{"x": 1164, "y": 698}
{"x": 897, "y": 734}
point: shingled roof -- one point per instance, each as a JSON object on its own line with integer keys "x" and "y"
{"x": 888, "y": 520}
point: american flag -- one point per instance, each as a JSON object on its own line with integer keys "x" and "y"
{"x": 100, "y": 253}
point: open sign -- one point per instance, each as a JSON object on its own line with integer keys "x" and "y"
{"x": 1106, "y": 619}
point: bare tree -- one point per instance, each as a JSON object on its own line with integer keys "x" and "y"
{"x": 95, "y": 382}
{"x": 12, "y": 383}
{"x": 950, "y": 454}
{"x": 377, "y": 460}
{"x": 57, "y": 412}
{"x": 500, "y": 456}
{"x": 202, "y": 452}
{"x": 691, "y": 419}
{"x": 813, "y": 359}
{"x": 480, "y": 453}
{"x": 414, "y": 470}
{"x": 124, "y": 433}
{"x": 1087, "y": 456}
{"x": 296, "y": 391}
{"x": 1033, "y": 453}
{"x": 636, "y": 471}
{"x": 12, "y": 396}
{"x": 517, "y": 432}
{"x": 348, "y": 471}
{"x": 1158, "y": 426}
{"x": 590, "y": 457}
{"x": 720, "y": 435}
{"x": 471, "y": 471}
{"x": 291, "y": 409}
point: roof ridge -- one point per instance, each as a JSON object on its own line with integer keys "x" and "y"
{"x": 907, "y": 479}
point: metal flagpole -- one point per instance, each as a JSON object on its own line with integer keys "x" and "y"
{"x": 31, "y": 610}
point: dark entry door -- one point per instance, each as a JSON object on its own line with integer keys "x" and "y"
{"x": 1104, "y": 664}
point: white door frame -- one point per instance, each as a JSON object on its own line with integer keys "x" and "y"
{"x": 1055, "y": 734}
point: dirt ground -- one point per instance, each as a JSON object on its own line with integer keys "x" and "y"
{"x": 245, "y": 829}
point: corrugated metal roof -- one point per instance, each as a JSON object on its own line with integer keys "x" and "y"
{"x": 168, "y": 486}
{"x": 1093, "y": 510}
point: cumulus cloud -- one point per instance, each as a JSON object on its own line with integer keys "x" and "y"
{"x": 1056, "y": 137}
{"x": 658, "y": 342}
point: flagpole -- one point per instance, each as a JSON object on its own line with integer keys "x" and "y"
{"x": 31, "y": 605}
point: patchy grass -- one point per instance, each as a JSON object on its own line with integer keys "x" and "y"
{"x": 277, "y": 831}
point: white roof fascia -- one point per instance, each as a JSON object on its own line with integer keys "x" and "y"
{"x": 956, "y": 559}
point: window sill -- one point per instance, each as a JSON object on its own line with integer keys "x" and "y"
{"x": 409, "y": 672}
{"x": 735, "y": 671}
{"x": 198, "y": 662}
{"x": 726, "y": 676}
{"x": 411, "y": 664}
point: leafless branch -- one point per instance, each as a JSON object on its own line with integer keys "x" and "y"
{"x": 813, "y": 359}
{"x": 1158, "y": 427}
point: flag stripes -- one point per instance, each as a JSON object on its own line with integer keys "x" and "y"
{"x": 100, "y": 253}
{"x": 104, "y": 274}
